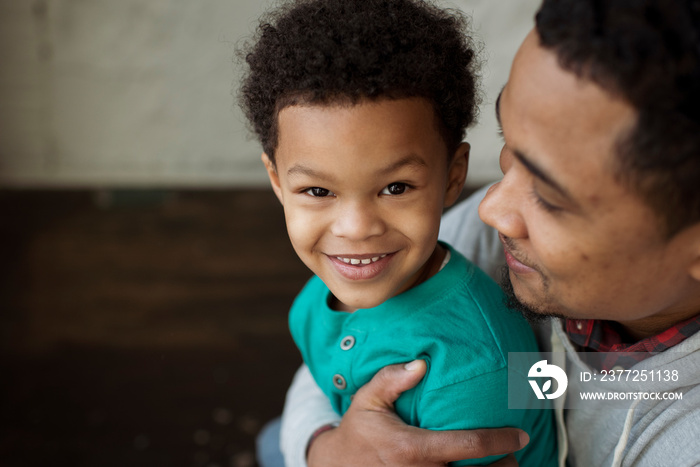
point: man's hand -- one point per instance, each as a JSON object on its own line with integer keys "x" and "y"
{"x": 371, "y": 434}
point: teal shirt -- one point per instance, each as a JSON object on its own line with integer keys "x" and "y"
{"x": 458, "y": 323}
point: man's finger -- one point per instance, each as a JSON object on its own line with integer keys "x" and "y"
{"x": 470, "y": 444}
{"x": 387, "y": 385}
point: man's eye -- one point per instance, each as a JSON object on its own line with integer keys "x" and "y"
{"x": 318, "y": 192}
{"x": 394, "y": 189}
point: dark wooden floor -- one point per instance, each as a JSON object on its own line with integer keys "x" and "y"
{"x": 142, "y": 328}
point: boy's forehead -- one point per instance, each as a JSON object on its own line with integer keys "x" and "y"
{"x": 332, "y": 115}
{"x": 393, "y": 129}
{"x": 368, "y": 116}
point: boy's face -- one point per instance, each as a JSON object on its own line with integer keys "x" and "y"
{"x": 363, "y": 188}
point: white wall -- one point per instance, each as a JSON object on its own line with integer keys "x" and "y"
{"x": 105, "y": 93}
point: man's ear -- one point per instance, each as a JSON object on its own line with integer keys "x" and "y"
{"x": 272, "y": 174}
{"x": 457, "y": 174}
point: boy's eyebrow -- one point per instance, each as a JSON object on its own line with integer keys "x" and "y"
{"x": 532, "y": 167}
{"x": 300, "y": 169}
{"x": 409, "y": 160}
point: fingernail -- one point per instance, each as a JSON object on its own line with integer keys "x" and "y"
{"x": 524, "y": 439}
{"x": 412, "y": 366}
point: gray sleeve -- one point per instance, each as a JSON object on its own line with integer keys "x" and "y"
{"x": 462, "y": 228}
{"x": 306, "y": 407}
{"x": 668, "y": 434}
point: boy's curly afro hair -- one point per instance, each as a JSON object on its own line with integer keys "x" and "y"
{"x": 343, "y": 51}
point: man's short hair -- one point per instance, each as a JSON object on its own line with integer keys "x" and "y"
{"x": 648, "y": 53}
{"x": 345, "y": 51}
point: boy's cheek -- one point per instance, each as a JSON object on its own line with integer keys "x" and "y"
{"x": 418, "y": 216}
{"x": 302, "y": 227}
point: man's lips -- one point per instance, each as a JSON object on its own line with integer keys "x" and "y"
{"x": 514, "y": 264}
{"x": 360, "y": 267}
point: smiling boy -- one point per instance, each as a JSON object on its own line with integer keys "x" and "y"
{"x": 361, "y": 107}
{"x": 363, "y": 187}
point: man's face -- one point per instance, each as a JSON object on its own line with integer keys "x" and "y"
{"x": 363, "y": 188}
{"x": 578, "y": 243}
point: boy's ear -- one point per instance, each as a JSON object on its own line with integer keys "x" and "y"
{"x": 274, "y": 178}
{"x": 457, "y": 174}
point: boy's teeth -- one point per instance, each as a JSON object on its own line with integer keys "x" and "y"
{"x": 355, "y": 261}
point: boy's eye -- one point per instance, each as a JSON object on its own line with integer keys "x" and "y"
{"x": 394, "y": 189}
{"x": 318, "y": 192}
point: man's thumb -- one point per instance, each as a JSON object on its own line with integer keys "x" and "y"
{"x": 387, "y": 385}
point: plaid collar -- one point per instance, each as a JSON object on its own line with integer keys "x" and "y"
{"x": 604, "y": 336}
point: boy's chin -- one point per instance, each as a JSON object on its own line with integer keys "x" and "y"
{"x": 352, "y": 303}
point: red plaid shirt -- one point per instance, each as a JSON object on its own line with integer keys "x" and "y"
{"x": 604, "y": 336}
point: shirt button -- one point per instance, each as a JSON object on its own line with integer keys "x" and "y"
{"x": 618, "y": 368}
{"x": 347, "y": 343}
{"x": 339, "y": 382}
{"x": 579, "y": 325}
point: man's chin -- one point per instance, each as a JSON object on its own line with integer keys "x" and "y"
{"x": 532, "y": 313}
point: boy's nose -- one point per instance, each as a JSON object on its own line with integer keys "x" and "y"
{"x": 357, "y": 221}
{"x": 501, "y": 207}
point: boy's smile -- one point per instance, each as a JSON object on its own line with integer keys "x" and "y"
{"x": 360, "y": 267}
{"x": 363, "y": 187}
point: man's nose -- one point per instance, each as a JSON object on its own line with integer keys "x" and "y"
{"x": 501, "y": 207}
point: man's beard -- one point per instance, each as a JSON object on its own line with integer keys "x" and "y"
{"x": 531, "y": 313}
